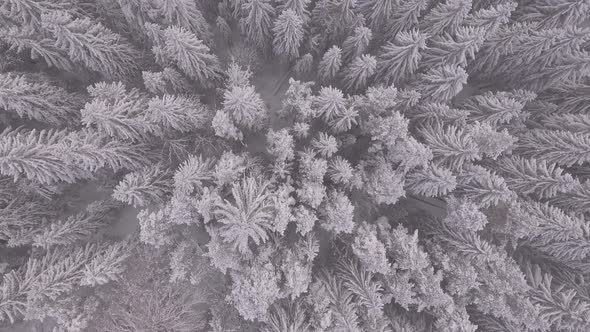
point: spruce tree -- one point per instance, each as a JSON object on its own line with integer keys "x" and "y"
{"x": 90, "y": 43}
{"x": 356, "y": 44}
{"x": 441, "y": 83}
{"x": 191, "y": 55}
{"x": 454, "y": 50}
{"x": 357, "y": 75}
{"x": 330, "y": 64}
{"x": 446, "y": 17}
{"x": 400, "y": 58}
{"x": 288, "y": 35}
{"x": 37, "y": 101}
{"x": 406, "y": 16}
{"x": 245, "y": 106}
{"x": 184, "y": 13}
{"x": 257, "y": 23}
{"x": 377, "y": 12}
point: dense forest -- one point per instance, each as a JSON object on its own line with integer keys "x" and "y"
{"x": 294, "y": 165}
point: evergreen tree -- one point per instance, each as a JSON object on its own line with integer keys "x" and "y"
{"x": 175, "y": 112}
{"x": 431, "y": 182}
{"x": 330, "y": 64}
{"x": 400, "y": 58}
{"x": 90, "y": 43}
{"x": 191, "y": 55}
{"x": 560, "y": 147}
{"x": 405, "y": 16}
{"x": 553, "y": 14}
{"x": 26, "y": 38}
{"x": 494, "y": 108}
{"x": 288, "y": 35}
{"x": 576, "y": 200}
{"x": 245, "y": 106}
{"x": 450, "y": 145}
{"x": 447, "y": 16}
{"x": 531, "y": 176}
{"x": 257, "y": 22}
{"x": 441, "y": 83}
{"x": 37, "y": 101}
{"x": 356, "y": 44}
{"x": 150, "y": 185}
{"x": 378, "y": 12}
{"x": 248, "y": 217}
{"x": 359, "y": 72}
{"x": 454, "y": 50}
{"x": 492, "y": 17}
{"x": 76, "y": 228}
{"x": 298, "y": 6}
{"x": 304, "y": 65}
{"x": 568, "y": 122}
{"x": 184, "y": 13}
{"x": 117, "y": 115}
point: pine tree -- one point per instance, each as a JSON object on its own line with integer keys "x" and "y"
{"x": 431, "y": 182}
{"x": 248, "y": 217}
{"x": 193, "y": 174}
{"x": 492, "y": 17}
{"x": 90, "y": 43}
{"x": 298, "y": 6}
{"x": 28, "y": 12}
{"x": 359, "y": 72}
{"x": 490, "y": 142}
{"x": 498, "y": 46}
{"x": 175, "y": 112}
{"x": 325, "y": 144}
{"x": 245, "y": 106}
{"x": 555, "y": 146}
{"x": 330, "y": 64}
{"x": 378, "y": 12}
{"x": 455, "y": 49}
{"x": 554, "y": 14}
{"x": 570, "y": 69}
{"x": 43, "y": 278}
{"x": 117, "y": 115}
{"x": 148, "y": 186}
{"x": 441, "y": 83}
{"x": 191, "y": 55}
{"x": 400, "y": 58}
{"x": 330, "y": 103}
{"x": 76, "y": 228}
{"x": 531, "y": 176}
{"x": 569, "y": 97}
{"x": 304, "y": 65}
{"x": 356, "y": 44}
{"x": 37, "y": 101}
{"x": 493, "y": 108}
{"x": 447, "y": 16}
{"x": 257, "y": 22}
{"x": 405, "y": 16}
{"x": 483, "y": 187}
{"x": 337, "y": 213}
{"x": 568, "y": 122}
{"x": 288, "y": 35}
{"x": 450, "y": 145}
{"x": 225, "y": 127}
{"x": 560, "y": 307}
{"x": 184, "y": 13}
{"x": 254, "y": 290}
{"x": 223, "y": 27}
{"x": 27, "y": 38}
{"x": 106, "y": 266}
{"x": 576, "y": 200}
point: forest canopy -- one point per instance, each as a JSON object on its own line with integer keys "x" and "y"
{"x": 295, "y": 165}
